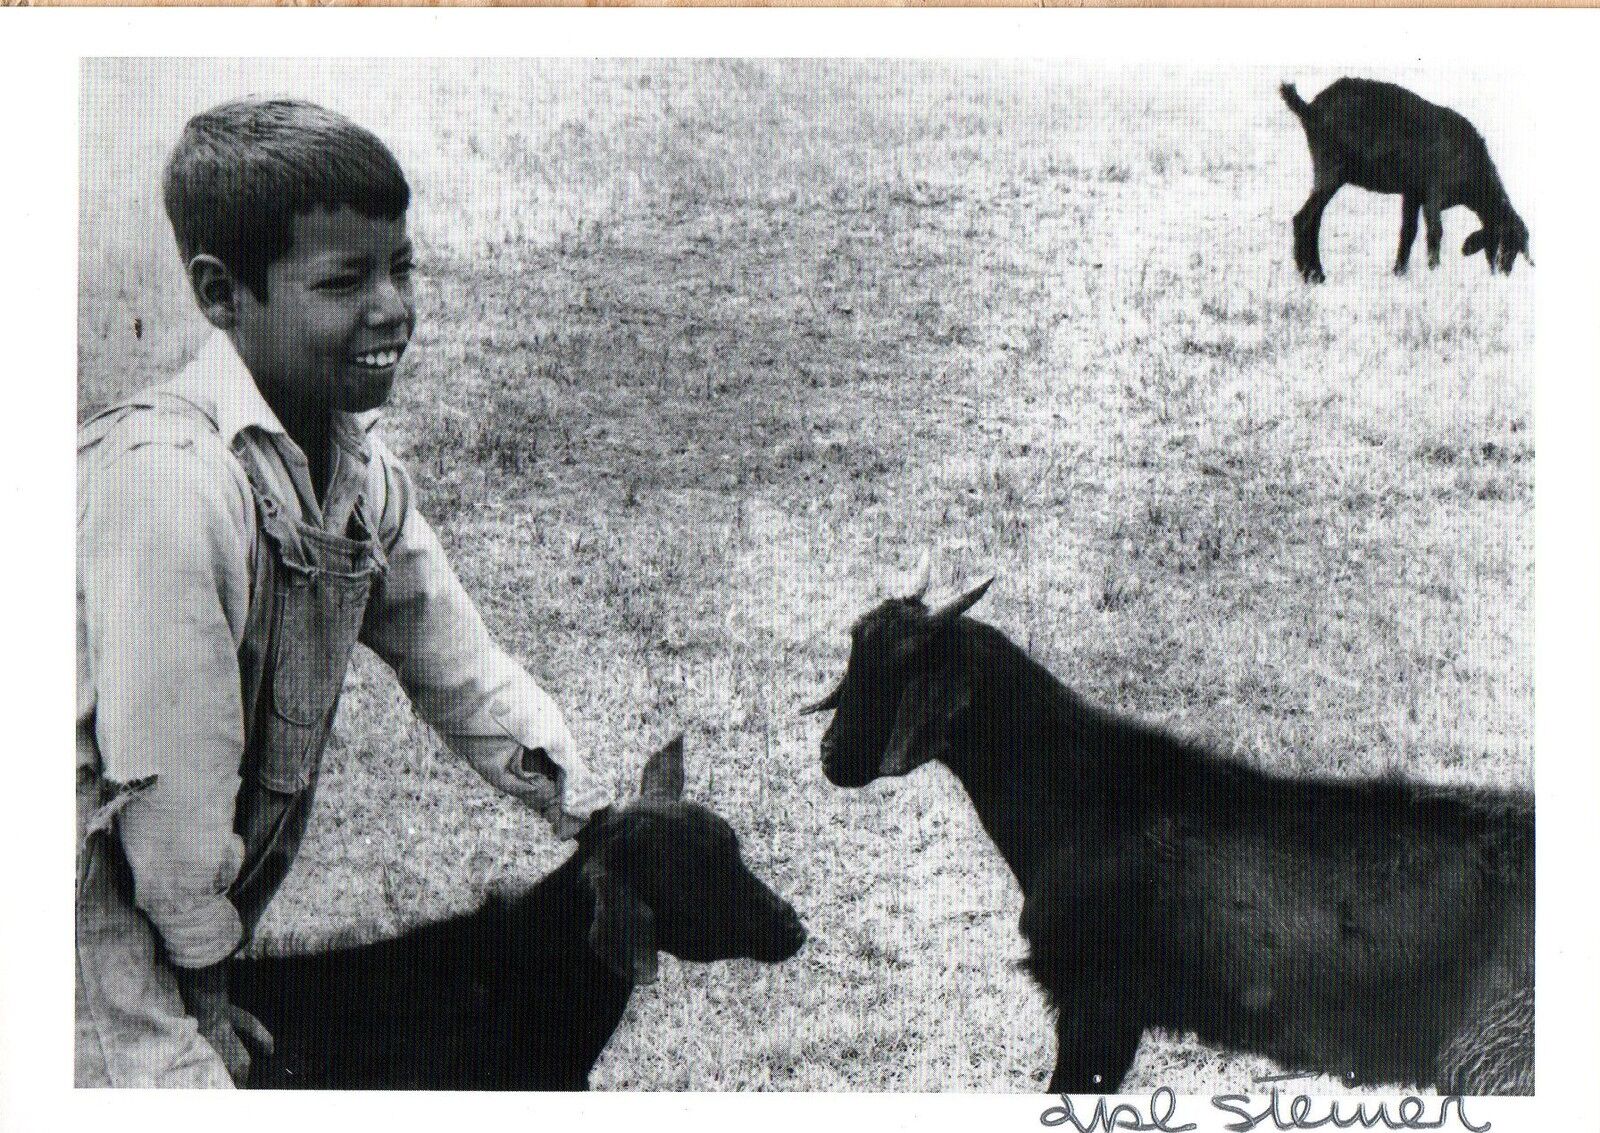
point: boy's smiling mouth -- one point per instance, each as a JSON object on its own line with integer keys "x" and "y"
{"x": 380, "y": 359}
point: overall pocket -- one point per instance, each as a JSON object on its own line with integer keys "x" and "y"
{"x": 317, "y": 620}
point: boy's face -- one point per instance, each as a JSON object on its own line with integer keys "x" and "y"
{"x": 337, "y": 317}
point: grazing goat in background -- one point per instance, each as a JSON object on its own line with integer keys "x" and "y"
{"x": 524, "y": 993}
{"x": 1384, "y": 138}
{"x": 1376, "y": 930}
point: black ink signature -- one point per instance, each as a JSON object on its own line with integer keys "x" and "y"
{"x": 1282, "y": 1111}
{"x": 1295, "y": 1112}
{"x": 1119, "y": 1116}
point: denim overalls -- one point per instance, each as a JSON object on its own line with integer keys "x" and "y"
{"x": 309, "y": 593}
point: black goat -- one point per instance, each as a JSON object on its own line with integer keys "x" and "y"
{"x": 524, "y": 993}
{"x": 1381, "y": 137}
{"x": 1375, "y": 930}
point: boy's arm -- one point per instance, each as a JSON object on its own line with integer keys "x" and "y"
{"x": 481, "y": 702}
{"x": 160, "y": 571}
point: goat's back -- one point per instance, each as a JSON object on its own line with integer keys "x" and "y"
{"x": 493, "y": 999}
{"x": 1383, "y": 137}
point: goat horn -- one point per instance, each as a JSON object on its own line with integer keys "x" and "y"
{"x": 823, "y": 705}
{"x": 916, "y": 583}
{"x": 958, "y": 606}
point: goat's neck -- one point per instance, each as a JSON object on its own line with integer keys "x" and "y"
{"x": 1017, "y": 756}
{"x": 1490, "y": 202}
{"x": 555, "y": 916}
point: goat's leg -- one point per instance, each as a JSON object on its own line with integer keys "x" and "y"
{"x": 1410, "y": 208}
{"x": 1095, "y": 1047}
{"x": 1432, "y": 215}
{"x": 1307, "y": 228}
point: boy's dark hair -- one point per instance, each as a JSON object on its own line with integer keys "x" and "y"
{"x": 242, "y": 171}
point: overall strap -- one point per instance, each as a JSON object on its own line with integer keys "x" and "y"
{"x": 370, "y": 535}
{"x": 274, "y": 516}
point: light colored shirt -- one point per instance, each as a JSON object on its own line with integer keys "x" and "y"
{"x": 166, "y": 539}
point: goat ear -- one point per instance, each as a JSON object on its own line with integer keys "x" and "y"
{"x": 663, "y": 774}
{"x": 1474, "y": 243}
{"x": 954, "y": 608}
{"x": 928, "y": 707}
{"x": 623, "y": 932}
{"x": 827, "y": 703}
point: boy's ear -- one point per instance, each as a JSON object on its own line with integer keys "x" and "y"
{"x": 215, "y": 290}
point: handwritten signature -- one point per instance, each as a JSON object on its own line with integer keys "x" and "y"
{"x": 1283, "y": 1111}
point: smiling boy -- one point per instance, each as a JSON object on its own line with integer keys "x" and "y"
{"x": 239, "y": 530}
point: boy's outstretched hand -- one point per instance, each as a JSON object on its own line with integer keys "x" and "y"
{"x": 223, "y": 1025}
{"x": 536, "y": 767}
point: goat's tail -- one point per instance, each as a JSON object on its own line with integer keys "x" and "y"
{"x": 1300, "y": 106}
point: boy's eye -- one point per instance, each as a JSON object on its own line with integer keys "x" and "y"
{"x": 404, "y": 268}
{"x": 339, "y": 283}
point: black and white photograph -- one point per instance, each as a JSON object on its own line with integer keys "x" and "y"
{"x": 910, "y": 573}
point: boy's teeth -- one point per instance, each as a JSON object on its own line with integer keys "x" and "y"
{"x": 379, "y": 359}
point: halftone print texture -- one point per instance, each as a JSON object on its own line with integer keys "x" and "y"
{"x": 709, "y": 352}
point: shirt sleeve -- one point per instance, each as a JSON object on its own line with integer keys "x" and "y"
{"x": 483, "y": 704}
{"x": 161, "y": 564}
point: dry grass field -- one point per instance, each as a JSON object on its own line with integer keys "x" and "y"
{"x": 709, "y": 351}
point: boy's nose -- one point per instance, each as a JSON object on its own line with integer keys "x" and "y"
{"x": 389, "y": 308}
